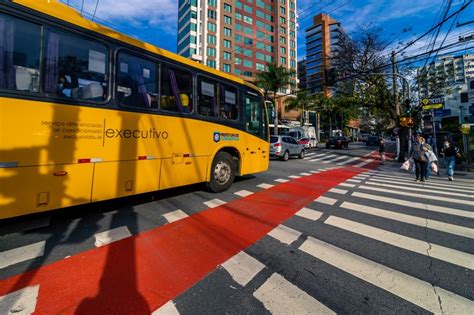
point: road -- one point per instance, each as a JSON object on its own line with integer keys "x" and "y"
{"x": 333, "y": 233}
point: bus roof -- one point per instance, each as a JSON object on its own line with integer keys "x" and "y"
{"x": 64, "y": 12}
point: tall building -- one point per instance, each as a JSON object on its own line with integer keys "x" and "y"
{"x": 302, "y": 74}
{"x": 445, "y": 74}
{"x": 322, "y": 40}
{"x": 238, "y": 36}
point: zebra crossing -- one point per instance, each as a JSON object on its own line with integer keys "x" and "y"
{"x": 364, "y": 251}
{"x": 337, "y": 159}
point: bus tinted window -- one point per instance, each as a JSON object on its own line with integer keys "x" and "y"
{"x": 75, "y": 68}
{"x": 137, "y": 84}
{"x": 252, "y": 115}
{"x": 207, "y": 101}
{"x": 176, "y": 89}
{"x": 19, "y": 54}
{"x": 228, "y": 102}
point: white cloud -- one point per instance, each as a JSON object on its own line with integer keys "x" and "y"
{"x": 139, "y": 13}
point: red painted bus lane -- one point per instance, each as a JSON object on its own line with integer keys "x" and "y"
{"x": 139, "y": 274}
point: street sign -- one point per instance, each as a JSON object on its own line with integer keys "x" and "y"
{"x": 432, "y": 106}
{"x": 465, "y": 129}
{"x": 442, "y": 112}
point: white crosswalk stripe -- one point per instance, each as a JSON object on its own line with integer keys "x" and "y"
{"x": 243, "y": 268}
{"x": 417, "y": 205}
{"x": 20, "y": 254}
{"x": 323, "y": 158}
{"x": 364, "y": 163}
{"x": 326, "y": 200}
{"x": 111, "y": 236}
{"x": 336, "y": 159}
{"x": 432, "y": 182}
{"x": 409, "y": 219}
{"x": 338, "y": 191}
{"x": 214, "y": 203}
{"x": 284, "y": 234}
{"x": 410, "y": 183}
{"x": 426, "y": 190}
{"x": 422, "y": 196}
{"x": 20, "y": 302}
{"x": 348, "y": 161}
{"x": 421, "y": 247}
{"x": 279, "y": 296}
{"x": 243, "y": 193}
{"x": 265, "y": 186}
{"x": 407, "y": 287}
{"x": 175, "y": 215}
{"x": 167, "y": 309}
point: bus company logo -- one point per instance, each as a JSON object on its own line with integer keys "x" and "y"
{"x": 218, "y": 136}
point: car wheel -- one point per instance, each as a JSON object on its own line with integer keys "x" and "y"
{"x": 285, "y": 156}
{"x": 222, "y": 172}
{"x": 301, "y": 156}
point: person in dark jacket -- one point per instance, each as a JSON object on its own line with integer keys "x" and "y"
{"x": 450, "y": 153}
{"x": 382, "y": 151}
{"x": 418, "y": 154}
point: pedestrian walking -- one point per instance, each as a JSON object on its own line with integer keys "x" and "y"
{"x": 382, "y": 151}
{"x": 418, "y": 154}
{"x": 450, "y": 152}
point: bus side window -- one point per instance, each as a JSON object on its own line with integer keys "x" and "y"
{"x": 19, "y": 61}
{"x": 176, "y": 90}
{"x": 228, "y": 103}
{"x": 75, "y": 67}
{"x": 137, "y": 84}
{"x": 207, "y": 97}
{"x": 252, "y": 115}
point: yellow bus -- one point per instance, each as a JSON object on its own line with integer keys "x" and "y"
{"x": 89, "y": 114}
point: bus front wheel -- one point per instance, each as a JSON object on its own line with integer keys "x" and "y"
{"x": 222, "y": 172}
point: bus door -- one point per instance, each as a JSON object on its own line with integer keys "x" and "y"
{"x": 256, "y": 152}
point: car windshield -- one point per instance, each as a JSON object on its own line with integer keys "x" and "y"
{"x": 273, "y": 139}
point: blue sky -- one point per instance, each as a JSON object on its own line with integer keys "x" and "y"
{"x": 400, "y": 21}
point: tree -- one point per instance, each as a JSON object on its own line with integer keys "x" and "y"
{"x": 303, "y": 101}
{"x": 271, "y": 81}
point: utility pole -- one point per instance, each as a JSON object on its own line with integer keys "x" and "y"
{"x": 394, "y": 84}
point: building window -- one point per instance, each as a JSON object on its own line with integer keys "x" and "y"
{"x": 260, "y": 67}
{"x": 211, "y": 63}
{"x": 282, "y": 50}
{"x": 248, "y": 74}
{"x": 238, "y": 61}
{"x": 211, "y": 39}
{"x": 282, "y": 39}
{"x": 227, "y": 32}
{"x": 211, "y": 26}
{"x": 212, "y": 2}
{"x": 211, "y": 52}
{"x": 226, "y": 68}
{"x": 282, "y": 10}
{"x": 227, "y": 55}
{"x": 227, "y": 7}
{"x": 227, "y": 43}
{"x": 248, "y": 9}
{"x": 248, "y": 19}
{"x": 248, "y": 63}
{"x": 211, "y": 14}
{"x": 227, "y": 19}
{"x": 283, "y": 60}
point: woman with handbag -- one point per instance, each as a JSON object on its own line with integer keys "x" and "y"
{"x": 450, "y": 154}
{"x": 418, "y": 154}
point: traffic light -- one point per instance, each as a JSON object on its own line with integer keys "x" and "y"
{"x": 403, "y": 121}
{"x": 410, "y": 122}
{"x": 407, "y": 108}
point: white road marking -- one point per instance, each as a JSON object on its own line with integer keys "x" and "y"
{"x": 443, "y": 181}
{"x": 336, "y": 159}
{"x": 265, "y": 186}
{"x": 421, "y": 247}
{"x": 281, "y": 180}
{"x": 430, "y": 184}
{"x": 309, "y": 214}
{"x": 417, "y": 205}
{"x": 305, "y": 174}
{"x": 314, "y": 172}
{"x": 413, "y": 184}
{"x": 353, "y": 181}
{"x": 414, "y": 290}
{"x": 280, "y": 296}
{"x": 427, "y": 190}
{"x": 421, "y": 196}
{"x": 326, "y": 200}
{"x": 111, "y": 236}
{"x": 361, "y": 164}
{"x": 243, "y": 268}
{"x": 243, "y": 193}
{"x": 409, "y": 219}
{"x": 310, "y": 154}
{"x": 347, "y": 161}
{"x": 338, "y": 191}
{"x": 214, "y": 203}
{"x": 324, "y": 157}
{"x": 21, "y": 302}
{"x": 346, "y": 185}
{"x": 284, "y": 234}
{"x": 175, "y": 215}
{"x": 20, "y": 254}
{"x": 294, "y": 176}
{"x": 167, "y": 309}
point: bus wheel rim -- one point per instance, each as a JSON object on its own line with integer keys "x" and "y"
{"x": 222, "y": 172}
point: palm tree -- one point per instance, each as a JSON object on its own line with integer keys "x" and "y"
{"x": 302, "y": 101}
{"x": 271, "y": 81}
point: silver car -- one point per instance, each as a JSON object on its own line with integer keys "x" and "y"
{"x": 285, "y": 146}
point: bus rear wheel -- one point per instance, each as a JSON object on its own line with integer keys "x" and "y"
{"x": 222, "y": 172}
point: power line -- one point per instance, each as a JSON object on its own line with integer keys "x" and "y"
{"x": 431, "y": 29}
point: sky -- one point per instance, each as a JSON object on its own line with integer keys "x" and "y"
{"x": 399, "y": 22}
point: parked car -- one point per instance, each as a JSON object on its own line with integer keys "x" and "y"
{"x": 338, "y": 142}
{"x": 372, "y": 141}
{"x": 308, "y": 142}
{"x": 284, "y": 147}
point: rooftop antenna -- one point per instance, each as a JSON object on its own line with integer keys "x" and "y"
{"x": 82, "y": 7}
